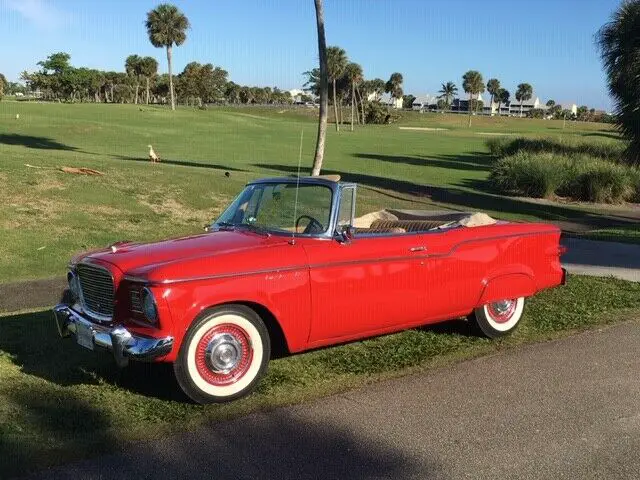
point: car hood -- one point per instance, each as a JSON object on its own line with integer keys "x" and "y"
{"x": 141, "y": 258}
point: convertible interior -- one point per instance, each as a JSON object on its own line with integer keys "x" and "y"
{"x": 415, "y": 221}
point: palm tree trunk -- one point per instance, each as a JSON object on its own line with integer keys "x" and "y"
{"x": 335, "y": 106}
{"x": 137, "y": 89}
{"x": 469, "y": 108}
{"x": 353, "y": 92}
{"x": 147, "y": 90}
{"x": 173, "y": 100}
{"x": 361, "y": 105}
{"x": 324, "y": 91}
{"x": 499, "y": 109}
{"x": 521, "y": 108}
{"x": 340, "y": 112}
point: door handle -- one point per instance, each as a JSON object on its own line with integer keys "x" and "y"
{"x": 417, "y": 249}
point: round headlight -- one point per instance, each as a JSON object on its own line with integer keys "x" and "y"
{"x": 149, "y": 306}
{"x": 74, "y": 285}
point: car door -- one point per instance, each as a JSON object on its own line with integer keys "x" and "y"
{"x": 366, "y": 285}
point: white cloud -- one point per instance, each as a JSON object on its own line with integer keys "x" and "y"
{"x": 39, "y": 12}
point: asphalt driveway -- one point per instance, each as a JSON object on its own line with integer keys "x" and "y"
{"x": 564, "y": 409}
{"x": 602, "y": 259}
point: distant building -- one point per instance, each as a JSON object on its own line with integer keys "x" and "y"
{"x": 424, "y": 102}
{"x": 527, "y": 105}
{"x": 297, "y": 94}
{"x": 572, "y": 107}
{"x": 391, "y": 102}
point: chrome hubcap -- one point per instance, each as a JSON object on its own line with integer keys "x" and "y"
{"x": 223, "y": 353}
{"x": 502, "y": 307}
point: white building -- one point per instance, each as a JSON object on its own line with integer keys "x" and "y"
{"x": 386, "y": 100}
{"x": 572, "y": 107}
{"x": 422, "y": 102}
{"x": 296, "y": 94}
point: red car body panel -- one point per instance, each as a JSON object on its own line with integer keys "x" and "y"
{"x": 320, "y": 291}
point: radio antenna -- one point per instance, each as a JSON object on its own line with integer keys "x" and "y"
{"x": 295, "y": 205}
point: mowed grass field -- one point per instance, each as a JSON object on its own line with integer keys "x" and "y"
{"x": 47, "y": 215}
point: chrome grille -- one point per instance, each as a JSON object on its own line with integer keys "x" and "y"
{"x": 136, "y": 301}
{"x": 97, "y": 288}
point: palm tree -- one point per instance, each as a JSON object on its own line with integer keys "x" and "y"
{"x": 336, "y": 63}
{"x": 448, "y": 91}
{"x": 148, "y": 69}
{"x": 166, "y": 27}
{"x": 132, "y": 67}
{"x": 473, "y": 85}
{"x": 503, "y": 98}
{"x": 324, "y": 91}
{"x": 493, "y": 87}
{"x": 394, "y": 86}
{"x": 618, "y": 42}
{"x": 523, "y": 93}
{"x": 353, "y": 72}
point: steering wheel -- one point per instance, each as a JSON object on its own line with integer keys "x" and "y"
{"x": 314, "y": 225}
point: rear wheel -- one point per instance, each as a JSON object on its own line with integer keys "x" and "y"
{"x": 224, "y": 354}
{"x": 499, "y": 318}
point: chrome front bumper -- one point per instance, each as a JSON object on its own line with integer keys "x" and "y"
{"x": 117, "y": 340}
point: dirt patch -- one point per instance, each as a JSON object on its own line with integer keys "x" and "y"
{"x": 177, "y": 211}
{"x": 425, "y": 129}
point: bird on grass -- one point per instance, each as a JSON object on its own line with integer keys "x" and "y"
{"x": 17, "y": 116}
{"x": 227, "y": 174}
{"x": 152, "y": 155}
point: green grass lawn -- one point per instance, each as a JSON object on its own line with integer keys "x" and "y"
{"x": 59, "y": 403}
{"x": 47, "y": 215}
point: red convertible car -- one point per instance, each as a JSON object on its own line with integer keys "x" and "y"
{"x": 287, "y": 266}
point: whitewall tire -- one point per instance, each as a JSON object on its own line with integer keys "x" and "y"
{"x": 499, "y": 318}
{"x": 224, "y": 354}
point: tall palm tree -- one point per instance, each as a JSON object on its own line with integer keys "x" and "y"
{"x": 523, "y": 93}
{"x": 394, "y": 86}
{"x": 132, "y": 67}
{"x": 472, "y": 84}
{"x": 447, "y": 92}
{"x": 503, "y": 98}
{"x": 353, "y": 72}
{"x": 493, "y": 87}
{"x": 166, "y": 27}
{"x": 619, "y": 44}
{"x": 336, "y": 63}
{"x": 324, "y": 90}
{"x": 148, "y": 69}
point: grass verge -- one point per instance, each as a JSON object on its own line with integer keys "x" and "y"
{"x": 59, "y": 403}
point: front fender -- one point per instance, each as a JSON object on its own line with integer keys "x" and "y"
{"x": 510, "y": 285}
{"x": 285, "y": 294}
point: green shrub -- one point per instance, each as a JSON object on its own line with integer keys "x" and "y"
{"x": 600, "y": 182}
{"x": 379, "y": 114}
{"x": 530, "y": 175}
{"x": 502, "y": 147}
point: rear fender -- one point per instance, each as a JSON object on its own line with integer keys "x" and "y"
{"x": 511, "y": 285}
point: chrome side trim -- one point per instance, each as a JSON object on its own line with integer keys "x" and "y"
{"x": 333, "y": 264}
{"x": 118, "y": 340}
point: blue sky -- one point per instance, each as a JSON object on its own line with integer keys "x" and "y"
{"x": 548, "y": 43}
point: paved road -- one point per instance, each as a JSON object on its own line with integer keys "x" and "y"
{"x": 565, "y": 409}
{"x": 602, "y": 259}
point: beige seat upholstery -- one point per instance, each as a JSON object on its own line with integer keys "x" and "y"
{"x": 407, "y": 225}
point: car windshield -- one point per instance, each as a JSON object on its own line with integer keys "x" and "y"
{"x": 271, "y": 207}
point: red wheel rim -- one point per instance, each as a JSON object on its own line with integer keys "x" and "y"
{"x": 502, "y": 311}
{"x": 224, "y": 345}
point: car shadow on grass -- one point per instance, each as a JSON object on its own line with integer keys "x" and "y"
{"x": 30, "y": 141}
{"x": 182, "y": 163}
{"x": 33, "y": 344}
{"x": 53, "y": 425}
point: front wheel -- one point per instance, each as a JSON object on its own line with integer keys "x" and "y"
{"x": 500, "y": 318}
{"x": 224, "y": 354}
